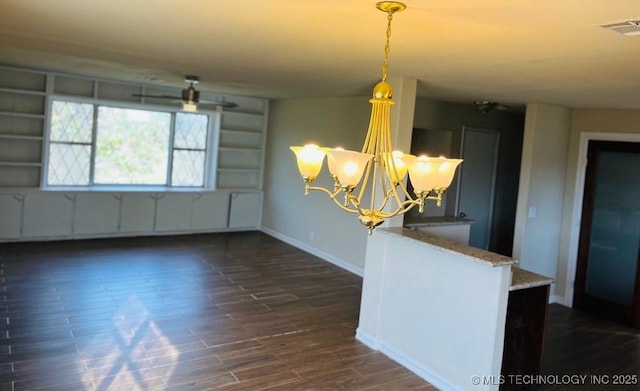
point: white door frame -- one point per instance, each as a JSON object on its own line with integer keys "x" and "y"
{"x": 576, "y": 213}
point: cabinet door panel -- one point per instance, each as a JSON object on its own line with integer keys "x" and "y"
{"x": 138, "y": 213}
{"x": 210, "y": 211}
{"x": 245, "y": 210}
{"x": 11, "y": 220}
{"x": 47, "y": 215}
{"x": 96, "y": 214}
{"x": 173, "y": 212}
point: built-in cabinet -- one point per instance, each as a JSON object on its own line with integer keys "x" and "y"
{"x": 232, "y": 199}
{"x": 35, "y": 215}
{"x": 11, "y": 212}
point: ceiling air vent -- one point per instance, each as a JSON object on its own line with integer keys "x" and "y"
{"x": 627, "y": 27}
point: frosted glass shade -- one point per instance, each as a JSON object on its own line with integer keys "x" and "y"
{"x": 349, "y": 165}
{"x": 331, "y": 162}
{"x": 446, "y": 171}
{"x": 428, "y": 173}
{"x": 309, "y": 158}
{"x": 397, "y": 170}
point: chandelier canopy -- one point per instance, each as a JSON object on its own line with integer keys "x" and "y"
{"x": 375, "y": 176}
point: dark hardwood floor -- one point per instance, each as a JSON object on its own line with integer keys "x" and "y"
{"x": 578, "y": 343}
{"x": 238, "y": 311}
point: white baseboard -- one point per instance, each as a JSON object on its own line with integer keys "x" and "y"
{"x": 555, "y": 299}
{"x": 314, "y": 251}
{"x": 366, "y": 339}
{"x": 404, "y": 360}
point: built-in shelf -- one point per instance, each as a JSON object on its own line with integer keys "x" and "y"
{"x": 237, "y": 169}
{"x": 18, "y": 91}
{"x": 259, "y": 131}
{"x": 18, "y": 114}
{"x": 239, "y": 158}
{"x": 234, "y": 148}
{"x": 20, "y": 137}
{"x": 240, "y": 112}
{"x": 20, "y": 164}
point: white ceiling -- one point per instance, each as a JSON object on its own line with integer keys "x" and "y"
{"x": 509, "y": 51}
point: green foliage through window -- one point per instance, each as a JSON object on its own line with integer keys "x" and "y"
{"x": 92, "y": 144}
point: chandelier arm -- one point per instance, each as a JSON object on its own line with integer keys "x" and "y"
{"x": 374, "y": 187}
{"x": 355, "y": 201}
{"x": 365, "y": 179}
{"x": 403, "y": 208}
{"x": 405, "y": 192}
{"x": 389, "y": 161}
{"x": 383, "y": 147}
{"x": 388, "y": 195}
{"x": 366, "y": 147}
{"x": 386, "y": 199}
{"x": 333, "y": 196}
{"x": 377, "y": 120}
{"x": 408, "y": 205}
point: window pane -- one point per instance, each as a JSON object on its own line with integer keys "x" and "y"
{"x": 132, "y": 147}
{"x": 188, "y": 168}
{"x": 71, "y": 122}
{"x": 191, "y": 131}
{"x": 69, "y": 164}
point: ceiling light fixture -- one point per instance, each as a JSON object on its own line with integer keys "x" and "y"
{"x": 384, "y": 169}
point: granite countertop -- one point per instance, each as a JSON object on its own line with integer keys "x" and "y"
{"x": 520, "y": 278}
{"x": 523, "y": 279}
{"x": 472, "y": 253}
{"x": 437, "y": 220}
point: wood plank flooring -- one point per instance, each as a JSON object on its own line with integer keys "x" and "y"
{"x": 578, "y": 343}
{"x": 239, "y": 311}
{"x": 230, "y": 312}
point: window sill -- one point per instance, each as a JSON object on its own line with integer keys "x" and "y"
{"x": 127, "y": 189}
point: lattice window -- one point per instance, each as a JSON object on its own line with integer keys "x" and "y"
{"x": 70, "y": 143}
{"x": 91, "y": 144}
{"x": 189, "y": 149}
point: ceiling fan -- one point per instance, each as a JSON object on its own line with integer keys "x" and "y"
{"x": 486, "y": 106}
{"x": 191, "y": 97}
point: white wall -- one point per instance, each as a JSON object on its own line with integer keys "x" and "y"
{"x": 313, "y": 222}
{"x": 436, "y": 312}
{"x": 541, "y": 190}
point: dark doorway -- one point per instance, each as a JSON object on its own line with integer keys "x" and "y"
{"x": 478, "y": 176}
{"x": 607, "y": 277}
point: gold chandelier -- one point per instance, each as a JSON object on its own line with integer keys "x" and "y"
{"x": 382, "y": 186}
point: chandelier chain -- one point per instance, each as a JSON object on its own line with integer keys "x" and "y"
{"x": 387, "y": 48}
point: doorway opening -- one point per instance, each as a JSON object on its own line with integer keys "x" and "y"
{"x": 607, "y": 279}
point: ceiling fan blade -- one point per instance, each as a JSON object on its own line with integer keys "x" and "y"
{"x": 222, "y": 103}
{"x": 156, "y": 96}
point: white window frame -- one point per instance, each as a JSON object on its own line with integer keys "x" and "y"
{"x": 213, "y": 131}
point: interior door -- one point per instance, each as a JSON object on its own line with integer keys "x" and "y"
{"x": 607, "y": 277}
{"x": 477, "y": 182}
